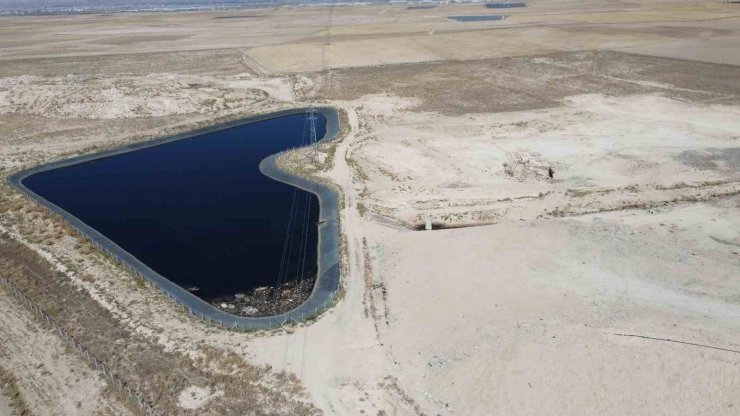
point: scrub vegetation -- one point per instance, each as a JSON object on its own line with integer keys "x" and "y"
{"x": 157, "y": 374}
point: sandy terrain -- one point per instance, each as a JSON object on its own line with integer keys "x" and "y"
{"x": 6, "y": 408}
{"x": 292, "y": 39}
{"x": 606, "y": 152}
{"x": 526, "y": 319}
{"x": 51, "y": 379}
{"x": 508, "y": 319}
{"x": 611, "y": 288}
{"x": 121, "y": 97}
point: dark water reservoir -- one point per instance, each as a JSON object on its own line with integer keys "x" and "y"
{"x": 480, "y": 18}
{"x": 197, "y": 210}
{"x": 505, "y": 5}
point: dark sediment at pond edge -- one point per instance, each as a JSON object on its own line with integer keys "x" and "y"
{"x": 267, "y": 300}
{"x": 327, "y": 282}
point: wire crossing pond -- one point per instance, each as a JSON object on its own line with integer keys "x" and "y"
{"x": 198, "y": 211}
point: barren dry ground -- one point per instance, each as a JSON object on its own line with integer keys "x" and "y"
{"x": 611, "y": 288}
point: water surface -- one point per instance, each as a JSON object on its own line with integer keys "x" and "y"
{"x": 198, "y": 211}
{"x": 479, "y": 18}
{"x": 505, "y": 5}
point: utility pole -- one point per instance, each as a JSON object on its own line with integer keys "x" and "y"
{"x": 313, "y": 152}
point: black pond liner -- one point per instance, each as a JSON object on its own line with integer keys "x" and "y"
{"x": 481, "y": 18}
{"x": 239, "y": 17}
{"x": 505, "y": 5}
{"x": 327, "y": 281}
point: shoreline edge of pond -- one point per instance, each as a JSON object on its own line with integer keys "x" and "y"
{"x": 327, "y": 281}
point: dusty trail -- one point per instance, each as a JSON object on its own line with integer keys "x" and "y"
{"x": 339, "y": 358}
